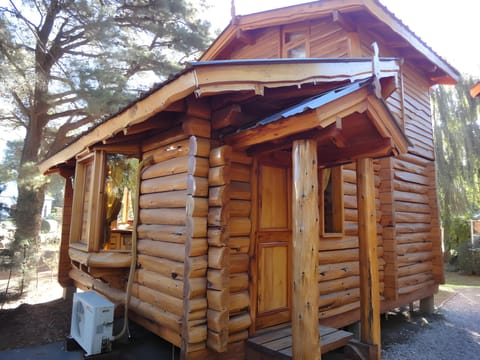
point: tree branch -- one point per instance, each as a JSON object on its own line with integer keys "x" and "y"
{"x": 60, "y": 139}
{"x": 67, "y": 113}
{"x": 63, "y": 101}
{"x": 23, "y": 109}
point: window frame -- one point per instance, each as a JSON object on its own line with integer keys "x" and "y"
{"x": 295, "y": 28}
{"x": 95, "y": 208}
{"x": 94, "y": 229}
{"x": 336, "y": 175}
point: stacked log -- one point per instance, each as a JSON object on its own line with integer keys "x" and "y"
{"x": 229, "y": 227}
{"x": 239, "y": 246}
{"x": 218, "y": 273}
{"x": 172, "y": 235}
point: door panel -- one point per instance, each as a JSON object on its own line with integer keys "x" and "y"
{"x": 272, "y": 285}
{"x": 273, "y": 203}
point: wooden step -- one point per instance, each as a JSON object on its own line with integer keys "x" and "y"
{"x": 276, "y": 343}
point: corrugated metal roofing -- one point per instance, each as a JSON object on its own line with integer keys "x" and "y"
{"x": 312, "y": 103}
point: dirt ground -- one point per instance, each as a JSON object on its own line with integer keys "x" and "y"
{"x": 44, "y": 317}
{"x": 40, "y": 317}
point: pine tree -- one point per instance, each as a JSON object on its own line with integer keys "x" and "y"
{"x": 64, "y": 64}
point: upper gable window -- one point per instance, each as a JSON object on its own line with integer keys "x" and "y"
{"x": 295, "y": 41}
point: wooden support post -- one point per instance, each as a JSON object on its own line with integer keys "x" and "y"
{"x": 367, "y": 234}
{"x": 427, "y": 305}
{"x": 305, "y": 334}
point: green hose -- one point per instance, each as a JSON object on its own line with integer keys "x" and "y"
{"x": 133, "y": 261}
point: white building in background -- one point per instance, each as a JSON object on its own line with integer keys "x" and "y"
{"x": 10, "y": 194}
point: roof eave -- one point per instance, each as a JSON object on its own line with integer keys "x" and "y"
{"x": 134, "y": 114}
{"x": 452, "y": 76}
{"x": 207, "y": 79}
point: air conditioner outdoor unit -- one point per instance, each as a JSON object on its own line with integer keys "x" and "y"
{"x": 92, "y": 322}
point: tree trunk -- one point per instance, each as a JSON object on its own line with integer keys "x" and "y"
{"x": 28, "y": 213}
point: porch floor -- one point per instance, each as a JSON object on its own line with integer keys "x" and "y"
{"x": 276, "y": 342}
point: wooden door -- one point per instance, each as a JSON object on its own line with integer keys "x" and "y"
{"x": 273, "y": 246}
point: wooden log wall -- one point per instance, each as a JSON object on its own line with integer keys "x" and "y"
{"x": 412, "y": 237}
{"x": 172, "y": 235}
{"x": 328, "y": 39}
{"x": 339, "y": 275}
{"x": 266, "y": 45}
{"x": 417, "y": 259}
{"x": 414, "y": 250}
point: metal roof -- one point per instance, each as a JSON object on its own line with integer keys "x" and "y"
{"x": 312, "y": 103}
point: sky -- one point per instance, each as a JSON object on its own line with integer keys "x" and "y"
{"x": 449, "y": 27}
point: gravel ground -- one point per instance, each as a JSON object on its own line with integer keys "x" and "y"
{"x": 453, "y": 333}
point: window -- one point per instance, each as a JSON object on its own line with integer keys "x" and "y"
{"x": 295, "y": 41}
{"x": 102, "y": 214}
{"x": 331, "y": 201}
{"x": 118, "y": 187}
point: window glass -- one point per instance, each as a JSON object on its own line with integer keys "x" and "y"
{"x": 295, "y": 41}
{"x": 297, "y": 52}
{"x": 87, "y": 193}
{"x": 331, "y": 200}
{"x": 294, "y": 36}
{"x": 119, "y": 187}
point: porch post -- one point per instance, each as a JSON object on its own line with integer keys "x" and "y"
{"x": 305, "y": 333}
{"x": 367, "y": 234}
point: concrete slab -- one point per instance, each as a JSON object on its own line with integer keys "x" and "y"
{"x": 142, "y": 344}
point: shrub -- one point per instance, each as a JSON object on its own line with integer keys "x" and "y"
{"x": 468, "y": 259}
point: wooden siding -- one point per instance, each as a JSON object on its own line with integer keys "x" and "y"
{"x": 413, "y": 255}
{"x": 172, "y": 244}
{"x": 266, "y": 46}
{"x": 328, "y": 39}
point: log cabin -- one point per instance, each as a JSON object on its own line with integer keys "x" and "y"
{"x": 475, "y": 90}
{"x": 285, "y": 189}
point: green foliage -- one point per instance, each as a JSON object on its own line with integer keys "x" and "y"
{"x": 457, "y": 231}
{"x": 468, "y": 259}
{"x": 457, "y": 149}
